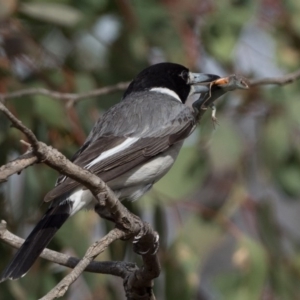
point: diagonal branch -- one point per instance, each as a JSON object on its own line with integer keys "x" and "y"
{"x": 19, "y": 125}
{"x": 98, "y": 247}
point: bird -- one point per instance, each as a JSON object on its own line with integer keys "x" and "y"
{"x": 131, "y": 146}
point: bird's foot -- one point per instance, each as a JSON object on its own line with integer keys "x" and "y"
{"x": 146, "y": 242}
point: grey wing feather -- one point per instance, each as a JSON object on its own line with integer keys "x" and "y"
{"x": 158, "y": 131}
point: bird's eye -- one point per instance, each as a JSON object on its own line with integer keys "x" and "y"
{"x": 184, "y": 75}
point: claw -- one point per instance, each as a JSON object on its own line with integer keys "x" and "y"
{"x": 153, "y": 247}
{"x": 143, "y": 252}
{"x": 156, "y": 238}
{"x": 156, "y": 244}
{"x": 136, "y": 239}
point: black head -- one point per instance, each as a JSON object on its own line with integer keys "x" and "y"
{"x": 163, "y": 75}
{"x": 174, "y": 79}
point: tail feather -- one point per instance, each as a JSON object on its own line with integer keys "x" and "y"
{"x": 37, "y": 241}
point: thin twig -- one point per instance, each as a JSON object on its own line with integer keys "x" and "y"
{"x": 283, "y": 80}
{"x": 74, "y": 97}
{"x": 17, "y": 165}
{"x": 98, "y": 247}
{"x": 19, "y": 125}
{"x": 66, "y": 96}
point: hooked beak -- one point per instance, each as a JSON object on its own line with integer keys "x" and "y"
{"x": 201, "y": 82}
{"x": 196, "y": 78}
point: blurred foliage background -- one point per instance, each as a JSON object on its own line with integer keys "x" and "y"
{"x": 228, "y": 211}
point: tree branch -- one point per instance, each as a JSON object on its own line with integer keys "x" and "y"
{"x": 98, "y": 247}
{"x": 116, "y": 268}
{"x": 68, "y": 97}
{"x": 128, "y": 224}
{"x": 17, "y": 165}
{"x": 19, "y": 125}
{"x": 283, "y": 80}
{"x": 74, "y": 98}
{"x": 134, "y": 277}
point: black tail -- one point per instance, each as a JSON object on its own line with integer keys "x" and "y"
{"x": 36, "y": 242}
